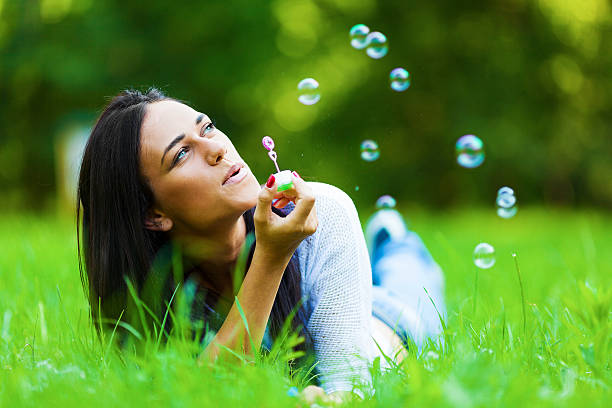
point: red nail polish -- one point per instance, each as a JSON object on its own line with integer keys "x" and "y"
{"x": 295, "y": 173}
{"x": 270, "y": 181}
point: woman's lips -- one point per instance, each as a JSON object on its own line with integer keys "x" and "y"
{"x": 238, "y": 177}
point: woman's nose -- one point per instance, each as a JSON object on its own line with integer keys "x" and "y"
{"x": 214, "y": 151}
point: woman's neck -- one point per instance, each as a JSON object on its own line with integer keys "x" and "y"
{"x": 216, "y": 254}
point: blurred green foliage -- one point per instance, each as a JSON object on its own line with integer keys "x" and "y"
{"x": 532, "y": 78}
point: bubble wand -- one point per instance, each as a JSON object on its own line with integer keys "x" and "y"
{"x": 283, "y": 178}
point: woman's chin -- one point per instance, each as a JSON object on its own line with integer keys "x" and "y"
{"x": 246, "y": 205}
{"x": 247, "y": 198}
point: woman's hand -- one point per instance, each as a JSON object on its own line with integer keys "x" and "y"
{"x": 279, "y": 236}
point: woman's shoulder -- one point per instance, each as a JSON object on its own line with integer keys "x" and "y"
{"x": 330, "y": 197}
{"x": 336, "y": 213}
{"x": 332, "y": 203}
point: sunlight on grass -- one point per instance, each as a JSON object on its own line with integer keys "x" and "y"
{"x": 556, "y": 351}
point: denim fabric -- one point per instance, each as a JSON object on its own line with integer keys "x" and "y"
{"x": 404, "y": 268}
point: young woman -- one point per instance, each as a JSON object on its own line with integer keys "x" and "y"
{"x": 157, "y": 174}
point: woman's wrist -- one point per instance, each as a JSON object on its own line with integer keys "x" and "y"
{"x": 270, "y": 258}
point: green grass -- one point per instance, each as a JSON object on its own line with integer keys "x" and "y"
{"x": 49, "y": 355}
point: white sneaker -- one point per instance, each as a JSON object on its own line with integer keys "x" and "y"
{"x": 382, "y": 224}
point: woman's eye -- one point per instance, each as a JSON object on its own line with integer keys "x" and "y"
{"x": 180, "y": 155}
{"x": 209, "y": 127}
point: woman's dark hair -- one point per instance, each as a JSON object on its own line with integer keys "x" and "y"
{"x": 116, "y": 246}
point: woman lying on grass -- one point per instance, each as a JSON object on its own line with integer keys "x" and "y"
{"x": 158, "y": 174}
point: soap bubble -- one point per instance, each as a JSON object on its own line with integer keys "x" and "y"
{"x": 506, "y": 202}
{"x": 292, "y": 392}
{"x": 399, "y": 79}
{"x": 358, "y": 35}
{"x": 369, "y": 150}
{"x": 506, "y": 212}
{"x": 385, "y": 201}
{"x": 484, "y": 256}
{"x": 377, "y": 45}
{"x": 469, "y": 151}
{"x": 309, "y": 91}
{"x": 505, "y": 190}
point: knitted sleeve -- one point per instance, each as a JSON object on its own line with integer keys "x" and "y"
{"x": 337, "y": 281}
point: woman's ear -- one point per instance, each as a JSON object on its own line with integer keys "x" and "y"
{"x": 158, "y": 221}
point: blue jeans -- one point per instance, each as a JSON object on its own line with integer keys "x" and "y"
{"x": 403, "y": 270}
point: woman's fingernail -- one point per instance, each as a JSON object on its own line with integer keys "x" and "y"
{"x": 296, "y": 174}
{"x": 270, "y": 181}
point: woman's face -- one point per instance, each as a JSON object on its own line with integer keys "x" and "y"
{"x": 191, "y": 168}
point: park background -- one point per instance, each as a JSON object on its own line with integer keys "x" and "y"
{"x": 531, "y": 78}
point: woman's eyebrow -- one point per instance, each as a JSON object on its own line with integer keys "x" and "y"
{"x": 179, "y": 138}
{"x": 171, "y": 145}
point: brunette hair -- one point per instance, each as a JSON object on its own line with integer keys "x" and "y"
{"x": 117, "y": 253}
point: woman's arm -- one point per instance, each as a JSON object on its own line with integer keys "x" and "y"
{"x": 256, "y": 297}
{"x": 276, "y": 240}
{"x": 338, "y": 280}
